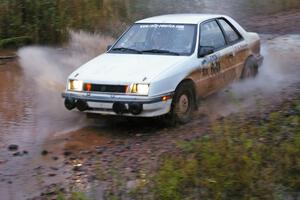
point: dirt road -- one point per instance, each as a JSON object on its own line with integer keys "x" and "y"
{"x": 59, "y": 150}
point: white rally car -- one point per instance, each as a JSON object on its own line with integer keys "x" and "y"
{"x": 165, "y": 65}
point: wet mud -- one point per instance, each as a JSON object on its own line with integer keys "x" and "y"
{"x": 58, "y": 150}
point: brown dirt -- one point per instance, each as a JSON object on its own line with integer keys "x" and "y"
{"x": 281, "y": 23}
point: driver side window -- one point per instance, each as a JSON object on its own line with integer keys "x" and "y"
{"x": 211, "y": 35}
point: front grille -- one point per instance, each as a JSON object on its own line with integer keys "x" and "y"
{"x": 105, "y": 88}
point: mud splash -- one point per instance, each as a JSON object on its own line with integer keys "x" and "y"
{"x": 50, "y": 67}
{"x": 32, "y": 110}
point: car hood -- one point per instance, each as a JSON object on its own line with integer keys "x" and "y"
{"x": 113, "y": 68}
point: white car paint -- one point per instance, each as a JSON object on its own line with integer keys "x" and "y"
{"x": 125, "y": 68}
{"x": 162, "y": 72}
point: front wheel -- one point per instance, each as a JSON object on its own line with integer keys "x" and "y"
{"x": 183, "y": 103}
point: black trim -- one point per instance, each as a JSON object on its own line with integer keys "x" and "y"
{"x": 104, "y": 88}
{"x": 224, "y": 32}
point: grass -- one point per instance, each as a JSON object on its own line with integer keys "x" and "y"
{"x": 257, "y": 158}
{"x": 242, "y": 157}
{"x": 73, "y": 196}
{"x": 14, "y": 42}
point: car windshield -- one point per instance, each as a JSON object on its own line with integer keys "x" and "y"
{"x": 165, "y": 39}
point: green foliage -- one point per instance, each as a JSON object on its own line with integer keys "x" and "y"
{"x": 74, "y": 196}
{"x": 48, "y": 22}
{"x": 14, "y": 42}
{"x": 240, "y": 159}
{"x": 175, "y": 175}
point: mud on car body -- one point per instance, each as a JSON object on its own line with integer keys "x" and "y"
{"x": 165, "y": 65}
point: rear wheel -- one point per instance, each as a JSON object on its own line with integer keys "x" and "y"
{"x": 183, "y": 103}
{"x": 250, "y": 68}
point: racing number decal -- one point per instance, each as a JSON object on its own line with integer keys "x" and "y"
{"x": 211, "y": 66}
{"x": 215, "y": 67}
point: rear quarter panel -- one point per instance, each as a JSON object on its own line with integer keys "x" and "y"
{"x": 254, "y": 43}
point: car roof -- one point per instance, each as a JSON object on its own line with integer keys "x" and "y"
{"x": 180, "y": 18}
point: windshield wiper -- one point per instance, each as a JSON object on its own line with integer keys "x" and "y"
{"x": 126, "y": 49}
{"x": 161, "y": 51}
{"x": 146, "y": 51}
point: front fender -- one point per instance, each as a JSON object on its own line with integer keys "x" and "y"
{"x": 170, "y": 79}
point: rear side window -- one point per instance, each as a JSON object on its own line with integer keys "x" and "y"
{"x": 211, "y": 35}
{"x": 230, "y": 33}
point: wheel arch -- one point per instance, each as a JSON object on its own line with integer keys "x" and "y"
{"x": 251, "y": 57}
{"x": 250, "y": 60}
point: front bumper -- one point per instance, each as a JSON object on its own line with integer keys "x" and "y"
{"x": 99, "y": 103}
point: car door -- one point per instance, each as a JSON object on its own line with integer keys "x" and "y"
{"x": 238, "y": 51}
{"x": 214, "y": 65}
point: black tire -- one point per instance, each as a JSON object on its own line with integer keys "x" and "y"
{"x": 183, "y": 103}
{"x": 250, "y": 69}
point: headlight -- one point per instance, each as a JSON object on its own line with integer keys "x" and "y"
{"x": 140, "y": 89}
{"x": 75, "y": 85}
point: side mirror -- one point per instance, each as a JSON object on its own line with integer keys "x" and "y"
{"x": 205, "y": 50}
{"x": 108, "y": 47}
